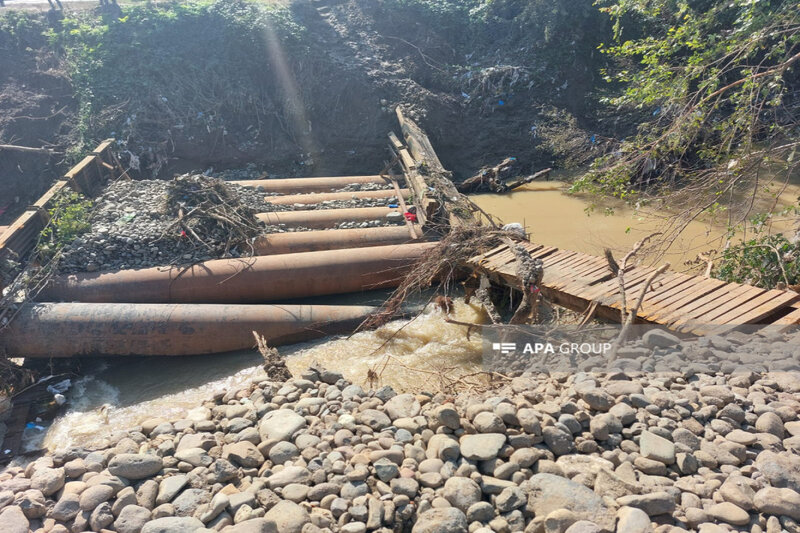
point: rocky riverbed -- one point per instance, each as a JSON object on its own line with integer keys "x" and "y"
{"x": 544, "y": 453}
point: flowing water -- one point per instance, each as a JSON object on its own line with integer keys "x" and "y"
{"x": 136, "y": 389}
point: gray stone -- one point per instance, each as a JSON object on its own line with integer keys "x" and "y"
{"x": 583, "y": 526}
{"x": 461, "y": 492}
{"x": 560, "y": 442}
{"x": 402, "y": 406}
{"x": 101, "y": 517}
{"x": 290, "y": 474}
{"x": 633, "y": 520}
{"x": 280, "y": 424}
{"x": 135, "y": 466}
{"x": 255, "y": 525}
{"x": 173, "y": 524}
{"x": 482, "y": 447}
{"x": 781, "y": 469}
{"x": 66, "y": 508}
{"x": 288, "y": 517}
{"x": 777, "y": 501}
{"x": 548, "y": 493}
{"x": 189, "y": 500}
{"x": 729, "y": 513}
{"x": 377, "y": 420}
{"x": 657, "y": 448}
{"x": 131, "y": 519}
{"x": 170, "y": 487}
{"x": 13, "y": 520}
{"x": 658, "y": 338}
{"x": 654, "y": 503}
{"x": 244, "y": 453}
{"x": 94, "y": 496}
{"x": 447, "y": 520}
{"x": 48, "y": 480}
{"x": 511, "y": 498}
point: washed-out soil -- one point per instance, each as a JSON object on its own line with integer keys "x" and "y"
{"x": 477, "y": 111}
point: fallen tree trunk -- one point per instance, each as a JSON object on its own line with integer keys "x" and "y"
{"x": 247, "y": 280}
{"x": 87, "y": 330}
{"x": 26, "y": 149}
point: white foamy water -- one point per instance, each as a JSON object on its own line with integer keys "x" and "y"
{"x": 133, "y": 390}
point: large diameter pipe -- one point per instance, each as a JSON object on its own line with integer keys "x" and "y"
{"x": 309, "y": 185}
{"x": 336, "y": 239}
{"x": 324, "y": 218}
{"x": 80, "y": 330}
{"x": 318, "y": 198}
{"x": 247, "y": 280}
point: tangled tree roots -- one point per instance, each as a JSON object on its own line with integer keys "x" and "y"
{"x": 443, "y": 266}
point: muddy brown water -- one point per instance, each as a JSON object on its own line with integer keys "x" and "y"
{"x": 136, "y": 389}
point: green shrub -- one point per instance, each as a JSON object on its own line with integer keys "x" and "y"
{"x": 69, "y": 218}
{"x": 763, "y": 261}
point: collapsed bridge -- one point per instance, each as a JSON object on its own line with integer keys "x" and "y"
{"x": 326, "y": 247}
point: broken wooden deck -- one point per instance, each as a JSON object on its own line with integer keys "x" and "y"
{"x": 682, "y": 302}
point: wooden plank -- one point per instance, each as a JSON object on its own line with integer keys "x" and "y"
{"x": 575, "y": 274}
{"x": 675, "y": 285}
{"x": 396, "y": 143}
{"x": 744, "y": 302}
{"x": 697, "y": 310}
{"x": 408, "y": 161}
{"x": 792, "y": 319}
{"x": 598, "y": 292}
{"x": 766, "y": 304}
{"x": 674, "y": 305}
{"x": 51, "y": 193}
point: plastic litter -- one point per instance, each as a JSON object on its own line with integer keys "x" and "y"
{"x": 60, "y": 387}
{"x": 515, "y": 227}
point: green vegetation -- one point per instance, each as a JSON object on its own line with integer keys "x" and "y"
{"x": 763, "y": 261}
{"x": 69, "y": 218}
{"x": 710, "y": 87}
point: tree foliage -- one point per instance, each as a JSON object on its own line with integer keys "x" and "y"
{"x": 713, "y": 86}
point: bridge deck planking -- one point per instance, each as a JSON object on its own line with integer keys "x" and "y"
{"x": 686, "y": 303}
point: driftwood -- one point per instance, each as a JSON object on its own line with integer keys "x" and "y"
{"x": 498, "y": 179}
{"x": 628, "y": 316}
{"x": 26, "y": 149}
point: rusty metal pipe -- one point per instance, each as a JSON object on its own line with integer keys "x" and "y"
{"x": 318, "y": 198}
{"x": 247, "y": 280}
{"x": 324, "y": 218}
{"x": 309, "y": 185}
{"x": 80, "y": 330}
{"x": 336, "y": 239}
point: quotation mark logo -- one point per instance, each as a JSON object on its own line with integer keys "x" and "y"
{"x": 504, "y": 347}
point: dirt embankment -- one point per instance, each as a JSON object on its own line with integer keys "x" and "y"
{"x": 309, "y": 91}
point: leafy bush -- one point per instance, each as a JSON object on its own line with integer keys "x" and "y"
{"x": 763, "y": 261}
{"x": 69, "y": 218}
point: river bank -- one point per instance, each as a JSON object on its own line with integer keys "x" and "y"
{"x": 562, "y": 452}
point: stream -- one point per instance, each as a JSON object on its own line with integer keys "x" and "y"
{"x": 133, "y": 390}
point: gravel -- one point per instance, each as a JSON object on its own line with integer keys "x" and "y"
{"x": 541, "y": 453}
